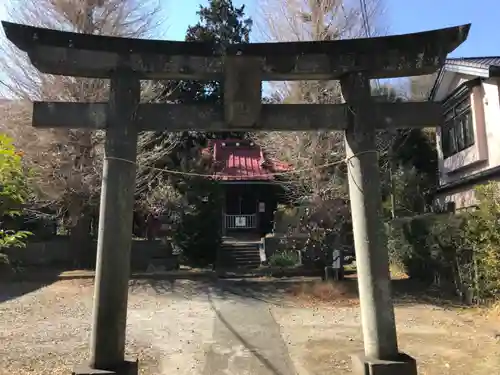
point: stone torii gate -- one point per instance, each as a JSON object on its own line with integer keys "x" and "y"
{"x": 244, "y": 67}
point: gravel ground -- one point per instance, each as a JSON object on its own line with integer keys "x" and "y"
{"x": 196, "y": 328}
{"x": 47, "y": 331}
{"x": 443, "y": 341}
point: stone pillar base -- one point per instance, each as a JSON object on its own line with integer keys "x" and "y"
{"x": 126, "y": 368}
{"x": 403, "y": 365}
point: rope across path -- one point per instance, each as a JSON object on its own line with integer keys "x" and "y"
{"x": 285, "y": 173}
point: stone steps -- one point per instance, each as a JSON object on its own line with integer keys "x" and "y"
{"x": 239, "y": 255}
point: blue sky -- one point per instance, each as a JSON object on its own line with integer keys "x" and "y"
{"x": 407, "y": 16}
{"x": 402, "y": 16}
{"x": 180, "y": 14}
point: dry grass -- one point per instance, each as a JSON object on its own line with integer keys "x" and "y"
{"x": 491, "y": 312}
{"x": 397, "y": 273}
{"x": 318, "y": 292}
{"x": 338, "y": 293}
{"x": 495, "y": 310}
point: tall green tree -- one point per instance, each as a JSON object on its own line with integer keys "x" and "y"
{"x": 222, "y": 24}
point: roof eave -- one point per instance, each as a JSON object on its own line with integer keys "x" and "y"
{"x": 462, "y": 69}
{"x": 468, "y": 70}
{"x": 470, "y": 180}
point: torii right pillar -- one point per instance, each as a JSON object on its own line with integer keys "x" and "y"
{"x": 381, "y": 356}
{"x": 412, "y": 55}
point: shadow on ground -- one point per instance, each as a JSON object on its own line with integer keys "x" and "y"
{"x": 270, "y": 291}
{"x": 279, "y": 291}
{"x": 408, "y": 292}
{"x": 251, "y": 345}
{"x": 14, "y": 285}
{"x": 287, "y": 291}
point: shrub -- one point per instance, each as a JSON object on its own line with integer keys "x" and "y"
{"x": 463, "y": 249}
{"x": 431, "y": 248}
{"x": 289, "y": 258}
{"x": 316, "y": 229}
{"x": 483, "y": 236}
{"x": 199, "y": 233}
{"x": 13, "y": 192}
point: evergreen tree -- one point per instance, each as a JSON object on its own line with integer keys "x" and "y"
{"x": 408, "y": 167}
{"x": 222, "y": 24}
{"x": 199, "y": 230}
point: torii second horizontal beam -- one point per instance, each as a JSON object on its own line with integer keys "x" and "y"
{"x": 208, "y": 117}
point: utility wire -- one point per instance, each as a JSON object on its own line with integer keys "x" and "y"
{"x": 366, "y": 26}
{"x": 364, "y": 15}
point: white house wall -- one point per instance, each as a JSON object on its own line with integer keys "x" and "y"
{"x": 485, "y": 153}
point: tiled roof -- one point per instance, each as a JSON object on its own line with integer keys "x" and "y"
{"x": 236, "y": 160}
{"x": 484, "y": 67}
{"x": 475, "y": 62}
{"x": 239, "y": 160}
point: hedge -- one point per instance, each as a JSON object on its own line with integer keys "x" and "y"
{"x": 432, "y": 248}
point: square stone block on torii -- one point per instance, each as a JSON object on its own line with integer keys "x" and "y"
{"x": 243, "y": 68}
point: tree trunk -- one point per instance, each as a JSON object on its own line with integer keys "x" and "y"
{"x": 80, "y": 238}
{"x": 81, "y": 242}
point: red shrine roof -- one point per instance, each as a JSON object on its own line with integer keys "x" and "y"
{"x": 241, "y": 160}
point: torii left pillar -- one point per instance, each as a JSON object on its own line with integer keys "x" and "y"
{"x": 107, "y": 351}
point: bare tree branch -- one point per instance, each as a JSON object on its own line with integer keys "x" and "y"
{"x": 66, "y": 163}
{"x": 305, "y": 20}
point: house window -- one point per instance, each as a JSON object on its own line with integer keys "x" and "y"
{"x": 458, "y": 129}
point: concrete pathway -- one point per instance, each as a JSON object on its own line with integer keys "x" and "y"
{"x": 247, "y": 340}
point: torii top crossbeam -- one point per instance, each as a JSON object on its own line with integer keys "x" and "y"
{"x": 81, "y": 55}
